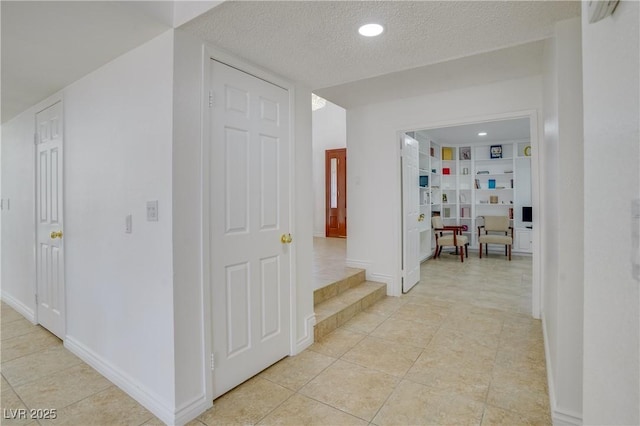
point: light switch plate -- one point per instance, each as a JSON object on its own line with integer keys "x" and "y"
{"x": 128, "y": 224}
{"x": 152, "y": 211}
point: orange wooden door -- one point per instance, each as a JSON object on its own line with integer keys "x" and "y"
{"x": 336, "y": 192}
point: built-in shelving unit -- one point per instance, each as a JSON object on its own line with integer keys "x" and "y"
{"x": 464, "y": 183}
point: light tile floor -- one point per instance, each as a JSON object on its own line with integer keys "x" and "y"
{"x": 329, "y": 261}
{"x": 459, "y": 348}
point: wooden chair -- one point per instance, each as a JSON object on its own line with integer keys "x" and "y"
{"x": 495, "y": 230}
{"x": 449, "y": 236}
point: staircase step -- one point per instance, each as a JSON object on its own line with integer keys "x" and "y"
{"x": 337, "y": 310}
{"x": 340, "y": 286}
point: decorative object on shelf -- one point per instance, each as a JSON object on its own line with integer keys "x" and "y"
{"x": 477, "y": 183}
{"x": 432, "y": 151}
{"x": 493, "y": 199}
{"x": 483, "y": 172}
{"x": 444, "y": 198}
{"x": 463, "y": 198}
{"x": 492, "y": 184}
{"x": 447, "y": 212}
{"x": 496, "y": 151}
{"x": 465, "y": 153}
{"x": 465, "y": 171}
{"x": 447, "y": 153}
{"x": 446, "y": 171}
{"x": 424, "y": 181}
{"x": 527, "y": 151}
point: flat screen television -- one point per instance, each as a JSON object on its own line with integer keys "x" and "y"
{"x": 526, "y": 214}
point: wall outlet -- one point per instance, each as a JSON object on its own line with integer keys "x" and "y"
{"x": 152, "y": 211}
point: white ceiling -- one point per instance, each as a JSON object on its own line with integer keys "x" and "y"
{"x": 317, "y": 43}
{"x": 47, "y": 45}
{"x": 497, "y": 131}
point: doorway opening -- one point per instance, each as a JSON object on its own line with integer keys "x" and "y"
{"x": 466, "y": 172}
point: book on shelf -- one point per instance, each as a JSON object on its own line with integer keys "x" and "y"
{"x": 447, "y": 212}
{"x": 510, "y": 212}
{"x": 477, "y": 183}
{"x": 465, "y": 212}
{"x": 492, "y": 184}
{"x": 447, "y": 153}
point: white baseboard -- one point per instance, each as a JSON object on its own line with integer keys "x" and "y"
{"x": 190, "y": 410}
{"x": 382, "y": 278}
{"x": 23, "y": 309}
{"x": 360, "y": 264}
{"x": 135, "y": 389}
{"x": 307, "y": 339}
{"x": 559, "y": 416}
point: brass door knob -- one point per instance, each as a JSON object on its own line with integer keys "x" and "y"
{"x": 56, "y": 234}
{"x": 286, "y": 239}
{"x": 421, "y": 217}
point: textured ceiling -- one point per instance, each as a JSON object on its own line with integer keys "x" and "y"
{"x": 317, "y": 43}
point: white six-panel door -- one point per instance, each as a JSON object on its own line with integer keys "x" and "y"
{"x": 49, "y": 251}
{"x": 250, "y": 226}
{"x": 411, "y": 212}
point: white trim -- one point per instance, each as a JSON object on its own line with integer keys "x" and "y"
{"x": 559, "y": 416}
{"x": 211, "y": 53}
{"x": 192, "y": 409}
{"x": 383, "y": 278}
{"x": 23, "y": 309}
{"x": 138, "y": 391}
{"x": 536, "y": 143}
{"x": 307, "y": 339}
{"x": 360, "y": 264}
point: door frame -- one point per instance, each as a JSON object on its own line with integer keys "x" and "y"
{"x": 210, "y": 53}
{"x": 536, "y": 199}
{"x": 47, "y": 103}
{"x": 327, "y": 191}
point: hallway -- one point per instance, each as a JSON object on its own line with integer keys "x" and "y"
{"x": 451, "y": 351}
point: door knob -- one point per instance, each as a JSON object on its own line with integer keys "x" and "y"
{"x": 56, "y": 234}
{"x": 286, "y": 239}
{"x": 421, "y": 217}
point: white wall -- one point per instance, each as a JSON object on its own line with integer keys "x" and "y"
{"x": 119, "y": 287}
{"x": 188, "y": 293}
{"x": 18, "y": 231}
{"x": 563, "y": 228}
{"x": 118, "y": 123}
{"x": 611, "y": 180}
{"x": 329, "y": 130}
{"x": 374, "y": 174}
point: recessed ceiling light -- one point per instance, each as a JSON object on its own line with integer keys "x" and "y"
{"x": 371, "y": 30}
{"x": 482, "y": 134}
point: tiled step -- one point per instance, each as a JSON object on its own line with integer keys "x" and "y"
{"x": 337, "y": 303}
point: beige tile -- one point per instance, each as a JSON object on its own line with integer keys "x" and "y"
{"x": 327, "y": 323}
{"x": 457, "y": 381}
{"x": 530, "y": 402}
{"x": 157, "y": 422}
{"x": 405, "y": 332}
{"x": 109, "y": 407}
{"x": 466, "y": 341}
{"x": 13, "y": 409}
{"x": 521, "y": 360}
{"x": 29, "y": 343}
{"x": 63, "y": 388}
{"x": 351, "y": 388}
{"x": 532, "y": 379}
{"x": 348, "y": 313}
{"x": 16, "y": 328}
{"x": 8, "y": 314}
{"x": 337, "y": 343}
{"x": 394, "y": 359}
{"x": 364, "y": 322}
{"x": 294, "y": 372}
{"x": 32, "y": 367}
{"x": 415, "y": 404}
{"x": 246, "y": 404}
{"x": 300, "y": 410}
{"x": 387, "y": 306}
{"x": 424, "y": 314}
{"x": 441, "y": 357}
{"x": 498, "y": 416}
